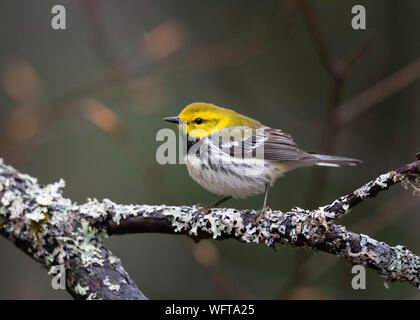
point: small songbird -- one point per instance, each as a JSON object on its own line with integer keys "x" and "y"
{"x": 236, "y": 156}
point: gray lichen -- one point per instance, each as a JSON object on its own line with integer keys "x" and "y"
{"x": 81, "y": 290}
{"x": 56, "y": 231}
{"x": 411, "y": 184}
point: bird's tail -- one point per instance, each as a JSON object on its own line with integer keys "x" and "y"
{"x": 333, "y": 161}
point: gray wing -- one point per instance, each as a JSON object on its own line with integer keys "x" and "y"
{"x": 280, "y": 146}
{"x": 265, "y": 142}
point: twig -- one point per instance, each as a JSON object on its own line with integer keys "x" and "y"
{"x": 370, "y": 224}
{"x": 378, "y": 92}
{"x": 338, "y": 70}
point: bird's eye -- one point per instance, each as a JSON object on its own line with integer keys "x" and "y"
{"x": 198, "y": 121}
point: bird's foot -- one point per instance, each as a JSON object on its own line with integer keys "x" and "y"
{"x": 260, "y": 215}
{"x": 207, "y": 209}
{"x": 201, "y": 212}
{"x": 204, "y": 210}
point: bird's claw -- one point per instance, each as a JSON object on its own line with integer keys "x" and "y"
{"x": 203, "y": 210}
{"x": 260, "y": 215}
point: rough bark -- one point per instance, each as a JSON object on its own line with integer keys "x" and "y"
{"x": 56, "y": 231}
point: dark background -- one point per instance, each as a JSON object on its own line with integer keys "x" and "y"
{"x": 85, "y": 104}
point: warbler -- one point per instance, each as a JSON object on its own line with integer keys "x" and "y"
{"x": 236, "y": 156}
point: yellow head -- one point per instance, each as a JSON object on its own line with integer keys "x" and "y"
{"x": 202, "y": 119}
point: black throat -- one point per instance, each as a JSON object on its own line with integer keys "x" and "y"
{"x": 191, "y": 141}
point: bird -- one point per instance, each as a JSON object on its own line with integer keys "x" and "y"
{"x": 235, "y": 156}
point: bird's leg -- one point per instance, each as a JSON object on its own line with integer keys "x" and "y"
{"x": 217, "y": 203}
{"x": 213, "y": 205}
{"x": 264, "y": 208}
{"x": 207, "y": 208}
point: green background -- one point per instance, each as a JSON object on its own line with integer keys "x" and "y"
{"x": 84, "y": 104}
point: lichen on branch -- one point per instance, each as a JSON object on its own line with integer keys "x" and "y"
{"x": 56, "y": 231}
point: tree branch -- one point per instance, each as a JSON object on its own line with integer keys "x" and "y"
{"x": 55, "y": 231}
{"x": 300, "y": 228}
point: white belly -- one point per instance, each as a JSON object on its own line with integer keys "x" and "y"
{"x": 233, "y": 177}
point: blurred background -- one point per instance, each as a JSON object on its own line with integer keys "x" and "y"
{"x": 84, "y": 104}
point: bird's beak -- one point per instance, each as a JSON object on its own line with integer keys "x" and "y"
{"x": 172, "y": 119}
